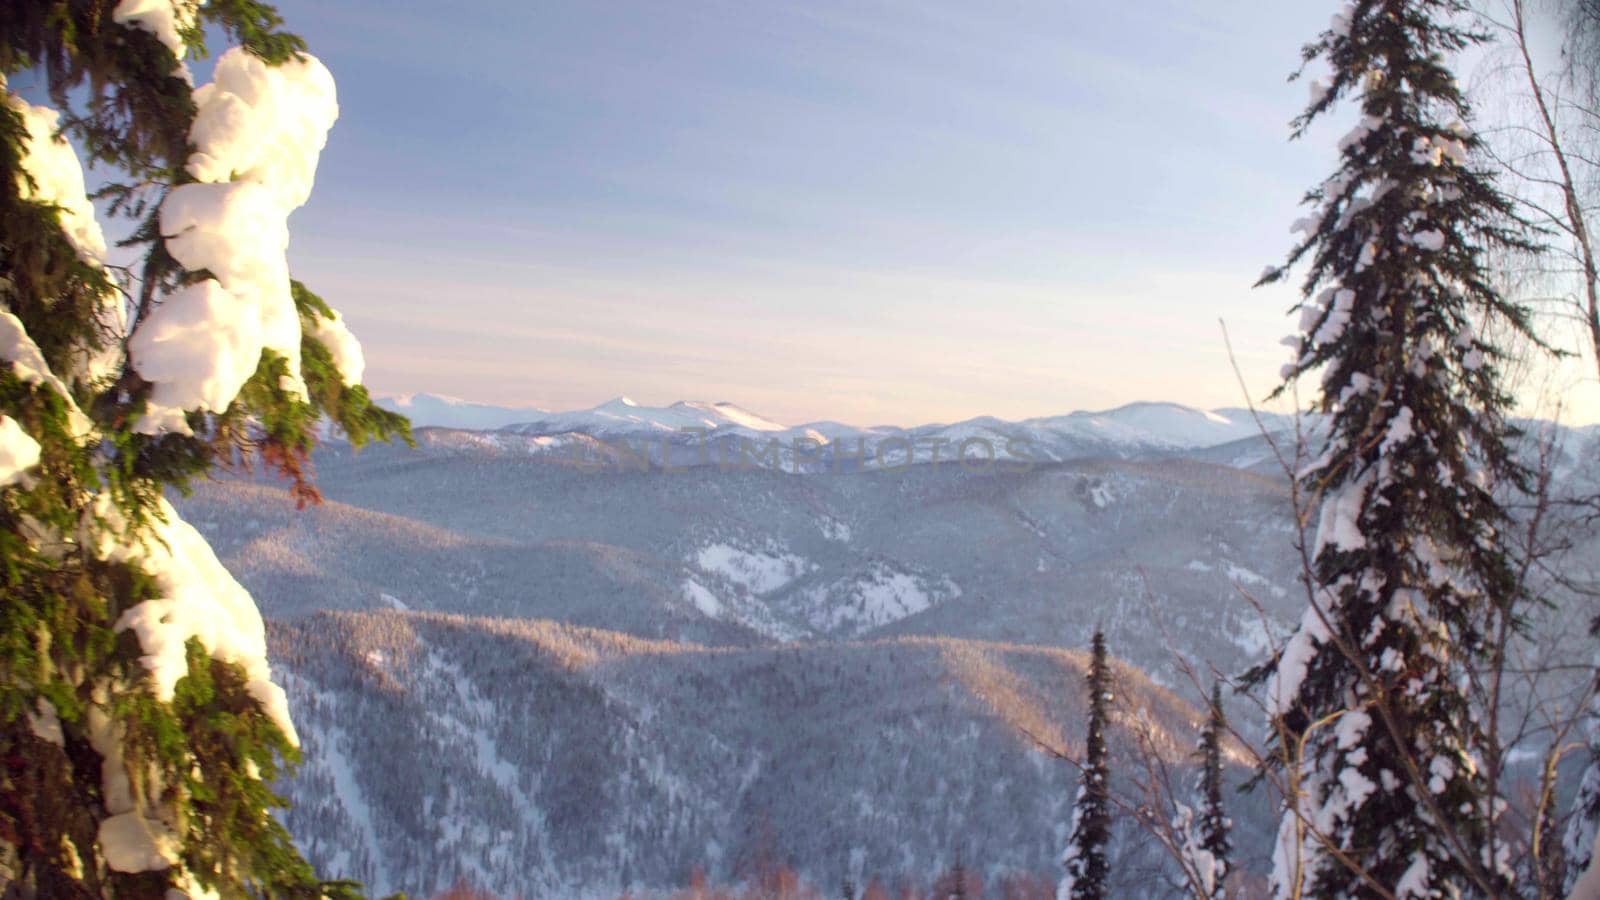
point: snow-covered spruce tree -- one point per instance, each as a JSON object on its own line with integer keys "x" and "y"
{"x": 140, "y": 730}
{"x": 1085, "y": 856}
{"x": 1583, "y": 823}
{"x": 1213, "y": 846}
{"x": 1371, "y": 698}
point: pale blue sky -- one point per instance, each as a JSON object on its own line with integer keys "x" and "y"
{"x": 868, "y": 211}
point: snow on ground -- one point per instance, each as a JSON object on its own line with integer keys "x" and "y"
{"x": 757, "y": 572}
{"x": 1253, "y": 635}
{"x": 835, "y": 530}
{"x": 735, "y": 415}
{"x": 1102, "y": 495}
{"x": 1153, "y": 424}
{"x": 890, "y": 596}
{"x": 881, "y": 596}
{"x": 703, "y": 599}
{"x": 1240, "y": 575}
{"x": 468, "y": 716}
{"x": 333, "y": 756}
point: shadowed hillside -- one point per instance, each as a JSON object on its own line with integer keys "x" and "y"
{"x": 527, "y": 756}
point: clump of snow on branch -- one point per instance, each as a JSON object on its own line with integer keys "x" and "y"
{"x": 18, "y": 451}
{"x": 197, "y": 350}
{"x": 1283, "y": 689}
{"x": 198, "y": 599}
{"x": 51, "y": 174}
{"x": 132, "y": 839}
{"x": 263, "y": 124}
{"x": 1414, "y": 883}
{"x": 27, "y": 363}
{"x": 342, "y": 346}
{"x": 29, "y": 366}
{"x": 1339, "y": 520}
{"x": 133, "y": 843}
{"x": 162, "y": 18}
{"x": 257, "y": 134}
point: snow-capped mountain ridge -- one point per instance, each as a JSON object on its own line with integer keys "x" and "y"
{"x": 1140, "y": 426}
{"x": 1173, "y": 424}
{"x": 441, "y": 411}
{"x": 624, "y": 416}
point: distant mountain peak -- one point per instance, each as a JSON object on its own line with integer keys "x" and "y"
{"x": 441, "y": 411}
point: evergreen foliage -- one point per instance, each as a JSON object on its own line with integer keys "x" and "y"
{"x": 92, "y": 749}
{"x": 1085, "y": 856}
{"x": 1371, "y": 699}
{"x": 1214, "y": 822}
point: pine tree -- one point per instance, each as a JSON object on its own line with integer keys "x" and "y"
{"x": 1213, "y": 840}
{"x": 958, "y": 879}
{"x": 1372, "y": 720}
{"x": 1085, "y": 856}
{"x": 139, "y": 725}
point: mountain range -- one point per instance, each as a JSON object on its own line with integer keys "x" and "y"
{"x": 541, "y": 676}
{"x": 1145, "y": 425}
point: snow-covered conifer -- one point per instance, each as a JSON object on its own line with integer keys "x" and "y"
{"x": 1583, "y": 823}
{"x": 1212, "y": 843}
{"x": 142, "y": 729}
{"x": 1371, "y": 697}
{"x": 1085, "y": 856}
